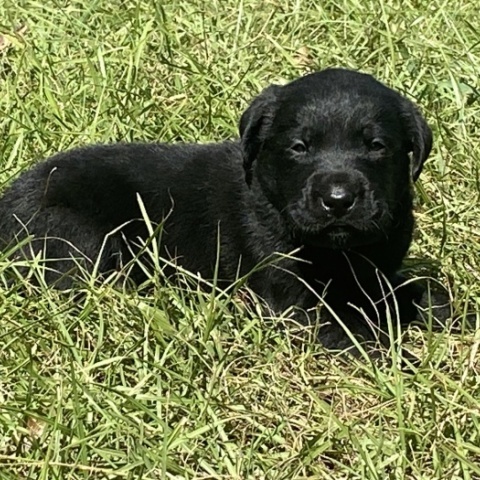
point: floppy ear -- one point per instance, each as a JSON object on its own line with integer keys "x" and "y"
{"x": 254, "y": 125}
{"x": 420, "y": 137}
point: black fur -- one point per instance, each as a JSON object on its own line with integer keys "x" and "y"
{"x": 324, "y": 164}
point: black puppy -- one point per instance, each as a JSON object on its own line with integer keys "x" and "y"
{"x": 324, "y": 165}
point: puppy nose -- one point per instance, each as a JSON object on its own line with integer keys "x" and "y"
{"x": 338, "y": 200}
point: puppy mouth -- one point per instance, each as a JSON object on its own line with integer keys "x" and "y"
{"x": 333, "y": 234}
{"x": 339, "y": 235}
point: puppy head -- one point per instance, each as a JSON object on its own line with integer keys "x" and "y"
{"x": 334, "y": 152}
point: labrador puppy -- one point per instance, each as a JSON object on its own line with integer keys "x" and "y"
{"x": 324, "y": 167}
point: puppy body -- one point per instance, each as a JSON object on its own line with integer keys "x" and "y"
{"x": 323, "y": 165}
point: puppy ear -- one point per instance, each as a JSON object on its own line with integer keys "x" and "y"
{"x": 254, "y": 125}
{"x": 420, "y": 137}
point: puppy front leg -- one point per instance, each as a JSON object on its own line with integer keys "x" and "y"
{"x": 308, "y": 311}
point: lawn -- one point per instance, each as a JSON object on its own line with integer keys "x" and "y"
{"x": 171, "y": 382}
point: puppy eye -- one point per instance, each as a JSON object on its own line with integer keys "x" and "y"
{"x": 299, "y": 147}
{"x": 376, "y": 145}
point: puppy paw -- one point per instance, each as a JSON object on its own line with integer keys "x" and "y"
{"x": 435, "y": 307}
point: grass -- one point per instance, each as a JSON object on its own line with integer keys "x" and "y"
{"x": 171, "y": 382}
